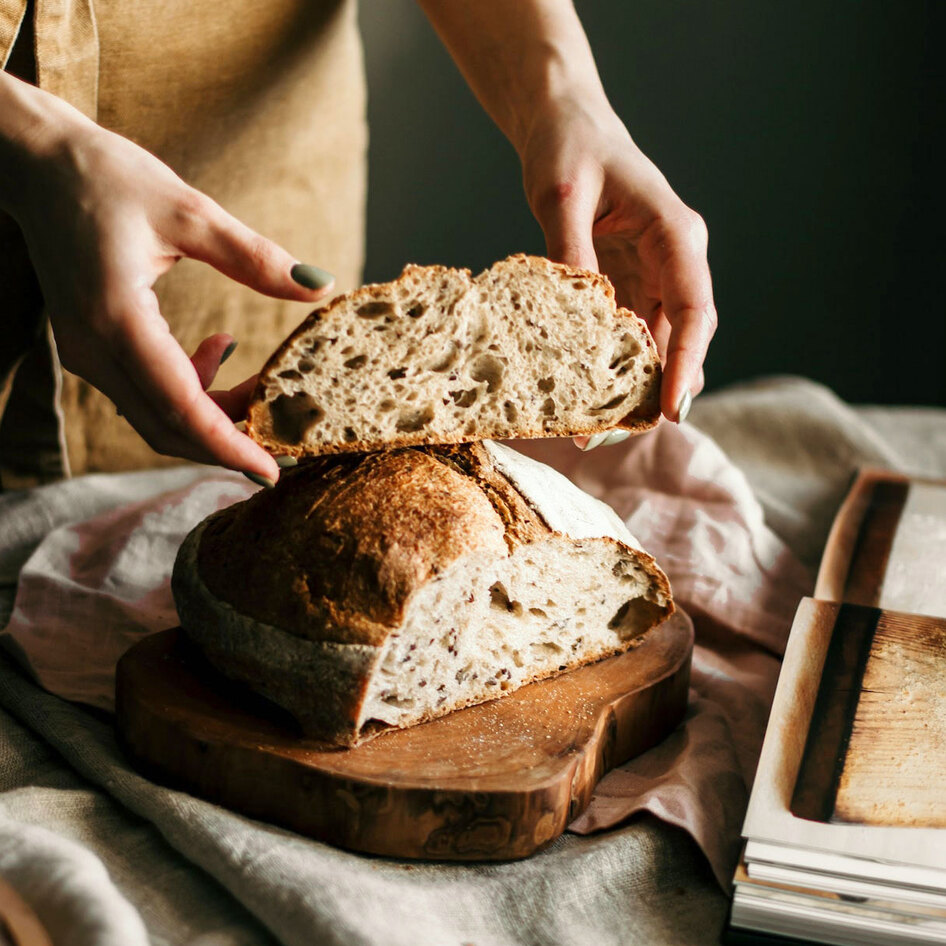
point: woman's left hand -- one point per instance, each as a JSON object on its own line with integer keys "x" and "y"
{"x": 603, "y": 205}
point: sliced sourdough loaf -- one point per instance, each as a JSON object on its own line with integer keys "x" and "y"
{"x": 528, "y": 348}
{"x": 370, "y": 591}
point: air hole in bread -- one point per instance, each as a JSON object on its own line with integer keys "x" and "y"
{"x": 465, "y": 398}
{"x": 306, "y": 365}
{"x": 447, "y": 360}
{"x": 417, "y": 310}
{"x": 546, "y": 384}
{"x": 548, "y": 407}
{"x": 627, "y": 349}
{"x": 416, "y": 419}
{"x": 347, "y": 350}
{"x": 387, "y": 405}
{"x": 537, "y": 613}
{"x": 546, "y": 646}
{"x": 359, "y": 361}
{"x": 579, "y": 285}
{"x": 374, "y": 310}
{"x": 608, "y": 405}
{"x": 396, "y": 373}
{"x": 499, "y": 599}
{"x": 490, "y": 369}
{"x": 647, "y": 369}
{"x": 290, "y": 374}
{"x": 392, "y": 699}
{"x": 510, "y": 412}
{"x": 350, "y": 434}
{"x": 294, "y": 415}
{"x": 620, "y": 616}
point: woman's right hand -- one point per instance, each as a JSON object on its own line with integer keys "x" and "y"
{"x": 103, "y": 219}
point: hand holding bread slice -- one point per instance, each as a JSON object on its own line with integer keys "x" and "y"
{"x": 529, "y": 348}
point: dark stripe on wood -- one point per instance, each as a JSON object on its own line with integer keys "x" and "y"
{"x": 829, "y": 731}
{"x": 872, "y": 549}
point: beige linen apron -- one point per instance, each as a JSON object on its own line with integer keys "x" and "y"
{"x": 259, "y": 105}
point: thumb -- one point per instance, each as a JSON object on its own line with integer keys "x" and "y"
{"x": 567, "y": 214}
{"x": 219, "y": 239}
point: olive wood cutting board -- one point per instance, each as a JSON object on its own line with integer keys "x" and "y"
{"x": 496, "y": 781}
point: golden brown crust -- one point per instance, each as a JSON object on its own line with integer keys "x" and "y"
{"x": 338, "y": 547}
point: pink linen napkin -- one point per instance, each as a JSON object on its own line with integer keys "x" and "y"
{"x": 92, "y": 589}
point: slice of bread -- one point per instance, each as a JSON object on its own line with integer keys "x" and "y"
{"x": 529, "y": 348}
{"x": 371, "y": 591}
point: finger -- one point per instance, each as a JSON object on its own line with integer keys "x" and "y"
{"x": 118, "y": 386}
{"x": 169, "y": 383}
{"x": 566, "y": 213}
{"x": 205, "y": 231}
{"x": 211, "y": 353}
{"x": 235, "y": 402}
{"x": 660, "y": 330}
{"x": 688, "y": 305}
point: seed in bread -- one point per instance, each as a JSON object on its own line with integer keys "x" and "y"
{"x": 529, "y": 348}
{"x": 371, "y": 591}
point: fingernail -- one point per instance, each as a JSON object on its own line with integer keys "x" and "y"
{"x": 310, "y": 276}
{"x": 228, "y": 351}
{"x": 683, "y": 408}
{"x": 259, "y": 479}
{"x": 595, "y": 440}
{"x": 615, "y": 436}
{"x": 284, "y": 462}
{"x": 241, "y": 426}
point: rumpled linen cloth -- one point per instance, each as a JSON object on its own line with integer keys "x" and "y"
{"x": 105, "y": 855}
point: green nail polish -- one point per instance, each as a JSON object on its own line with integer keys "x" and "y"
{"x": 228, "y": 351}
{"x": 286, "y": 462}
{"x": 259, "y": 479}
{"x": 311, "y": 276}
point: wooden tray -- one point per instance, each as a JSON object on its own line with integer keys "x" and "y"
{"x": 496, "y": 781}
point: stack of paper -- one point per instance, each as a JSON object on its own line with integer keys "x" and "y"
{"x": 846, "y": 827}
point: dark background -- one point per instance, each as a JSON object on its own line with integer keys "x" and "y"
{"x": 808, "y": 135}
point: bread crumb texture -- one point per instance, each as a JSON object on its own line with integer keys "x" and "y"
{"x": 528, "y": 348}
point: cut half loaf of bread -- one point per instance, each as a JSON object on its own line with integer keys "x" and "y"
{"x": 529, "y": 348}
{"x": 357, "y": 613}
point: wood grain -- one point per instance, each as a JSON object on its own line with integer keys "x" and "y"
{"x": 895, "y": 768}
{"x": 496, "y": 781}
{"x": 876, "y": 746}
{"x": 858, "y": 549}
{"x": 830, "y": 728}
